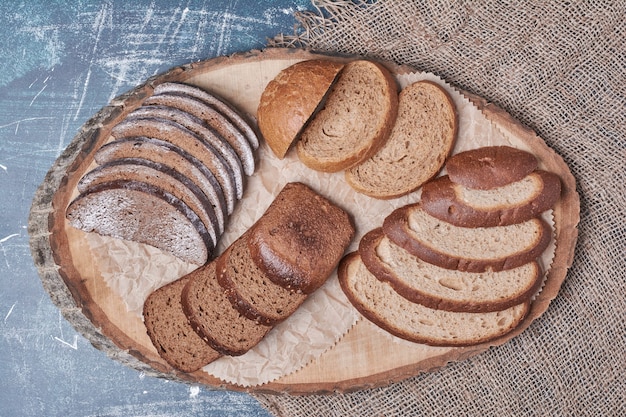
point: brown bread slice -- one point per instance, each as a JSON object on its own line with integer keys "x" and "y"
{"x": 378, "y": 302}
{"x": 291, "y": 98}
{"x": 422, "y": 138}
{"x": 170, "y": 332}
{"x": 212, "y": 99}
{"x": 213, "y": 317}
{"x": 140, "y": 212}
{"x": 490, "y": 166}
{"x": 213, "y": 119}
{"x": 250, "y": 291}
{"x": 300, "y": 238}
{"x": 355, "y": 121}
{"x": 475, "y": 249}
{"x": 446, "y": 289}
{"x": 165, "y": 153}
{"x": 515, "y": 202}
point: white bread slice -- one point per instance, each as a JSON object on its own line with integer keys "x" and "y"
{"x": 515, "y": 202}
{"x": 475, "y": 249}
{"x": 378, "y": 302}
{"x": 446, "y": 289}
{"x": 422, "y": 138}
{"x": 355, "y": 121}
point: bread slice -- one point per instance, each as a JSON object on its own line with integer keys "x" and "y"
{"x": 300, "y": 238}
{"x": 214, "y": 319}
{"x": 446, "y": 289}
{"x": 214, "y": 120}
{"x": 170, "y": 332}
{"x": 250, "y": 291}
{"x": 212, "y": 99}
{"x": 160, "y": 176}
{"x": 178, "y": 135}
{"x": 422, "y": 138}
{"x": 355, "y": 121}
{"x": 467, "y": 249}
{"x": 165, "y": 153}
{"x": 140, "y": 212}
{"x": 490, "y": 166}
{"x": 515, "y": 202}
{"x": 378, "y": 302}
{"x": 291, "y": 98}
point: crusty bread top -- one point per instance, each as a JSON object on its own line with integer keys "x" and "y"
{"x": 490, "y": 166}
{"x": 355, "y": 121}
{"x": 300, "y": 238}
{"x": 291, "y": 98}
{"x": 422, "y": 138}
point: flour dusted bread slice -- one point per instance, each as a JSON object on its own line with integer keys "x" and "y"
{"x": 475, "y": 249}
{"x": 515, "y": 202}
{"x": 355, "y": 121}
{"x": 140, "y": 212}
{"x": 490, "y": 166}
{"x": 446, "y": 289}
{"x": 377, "y": 301}
{"x": 213, "y": 317}
{"x": 170, "y": 331}
{"x": 300, "y": 238}
{"x": 422, "y": 138}
{"x": 291, "y": 98}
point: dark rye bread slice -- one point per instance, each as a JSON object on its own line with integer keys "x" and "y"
{"x": 182, "y": 137}
{"x": 170, "y": 331}
{"x": 165, "y": 153}
{"x": 475, "y": 249}
{"x": 206, "y": 133}
{"x": 378, "y": 302}
{"x": 140, "y": 212}
{"x": 490, "y": 166}
{"x": 160, "y": 176}
{"x": 213, "y": 317}
{"x": 212, "y": 118}
{"x": 212, "y": 99}
{"x": 515, "y": 202}
{"x": 446, "y": 289}
{"x": 422, "y": 137}
{"x": 300, "y": 238}
{"x": 250, "y": 291}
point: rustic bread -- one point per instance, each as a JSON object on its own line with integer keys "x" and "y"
{"x": 422, "y": 138}
{"x": 178, "y": 135}
{"x": 140, "y": 212}
{"x": 212, "y": 99}
{"x": 212, "y": 118}
{"x": 490, "y": 166}
{"x": 515, "y": 202}
{"x": 300, "y": 238}
{"x": 170, "y": 332}
{"x": 466, "y": 249}
{"x": 250, "y": 291}
{"x": 446, "y": 289}
{"x": 213, "y": 318}
{"x": 291, "y": 98}
{"x": 378, "y": 302}
{"x": 165, "y": 153}
{"x": 355, "y": 121}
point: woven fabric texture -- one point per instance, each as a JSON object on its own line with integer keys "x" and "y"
{"x": 559, "y": 68}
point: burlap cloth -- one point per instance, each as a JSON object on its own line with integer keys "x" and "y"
{"x": 560, "y": 68}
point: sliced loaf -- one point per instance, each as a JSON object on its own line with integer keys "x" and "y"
{"x": 422, "y": 138}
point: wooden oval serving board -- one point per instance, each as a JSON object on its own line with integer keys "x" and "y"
{"x": 362, "y": 358}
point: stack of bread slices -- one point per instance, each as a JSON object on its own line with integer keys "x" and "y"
{"x": 460, "y": 266}
{"x": 227, "y": 306}
{"x": 172, "y": 174}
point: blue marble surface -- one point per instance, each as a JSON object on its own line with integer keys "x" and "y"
{"x": 60, "y": 62}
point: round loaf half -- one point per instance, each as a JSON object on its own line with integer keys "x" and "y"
{"x": 290, "y": 99}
